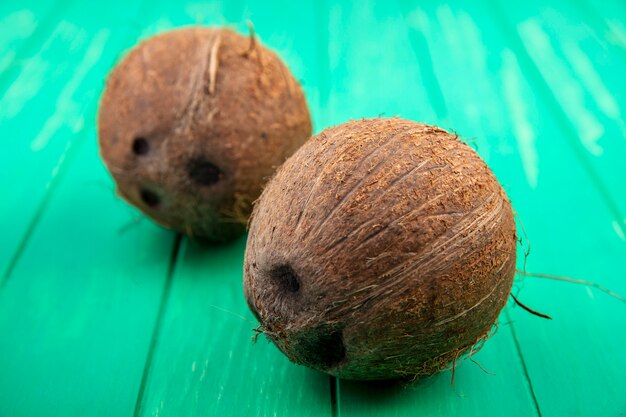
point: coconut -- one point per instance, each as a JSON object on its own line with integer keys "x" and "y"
{"x": 192, "y": 123}
{"x": 383, "y": 248}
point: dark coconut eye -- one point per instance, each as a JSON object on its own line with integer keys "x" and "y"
{"x": 203, "y": 172}
{"x": 140, "y": 146}
{"x": 285, "y": 278}
{"x": 322, "y": 347}
{"x": 149, "y": 197}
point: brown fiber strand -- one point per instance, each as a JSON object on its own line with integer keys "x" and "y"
{"x": 530, "y": 310}
{"x": 574, "y": 281}
{"x": 213, "y": 64}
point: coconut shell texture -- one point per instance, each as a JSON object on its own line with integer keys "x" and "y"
{"x": 193, "y": 122}
{"x": 383, "y": 248}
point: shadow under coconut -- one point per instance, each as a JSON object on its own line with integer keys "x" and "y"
{"x": 374, "y": 391}
{"x": 386, "y": 395}
{"x": 217, "y": 260}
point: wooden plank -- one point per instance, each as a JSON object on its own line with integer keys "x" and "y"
{"x": 373, "y": 71}
{"x": 88, "y": 302}
{"x": 46, "y": 108}
{"x": 556, "y": 193}
{"x": 575, "y": 362}
{"x": 204, "y": 361}
{"x": 579, "y": 76}
{"x": 84, "y": 291}
{"x": 549, "y": 209}
{"x": 474, "y": 393}
{"x": 424, "y": 88}
{"x": 487, "y": 93}
{"x": 77, "y": 312}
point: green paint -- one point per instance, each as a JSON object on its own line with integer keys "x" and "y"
{"x": 50, "y": 107}
{"x": 77, "y": 311}
{"x": 205, "y": 361}
{"x": 101, "y": 315}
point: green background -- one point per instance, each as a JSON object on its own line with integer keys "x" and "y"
{"x": 102, "y": 313}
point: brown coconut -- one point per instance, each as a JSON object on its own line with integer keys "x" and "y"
{"x": 193, "y": 122}
{"x": 383, "y": 248}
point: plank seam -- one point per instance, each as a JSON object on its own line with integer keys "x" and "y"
{"x": 518, "y": 349}
{"x": 334, "y": 398}
{"x": 165, "y": 296}
{"x": 71, "y": 150}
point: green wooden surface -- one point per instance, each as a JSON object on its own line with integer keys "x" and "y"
{"x": 104, "y": 313}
